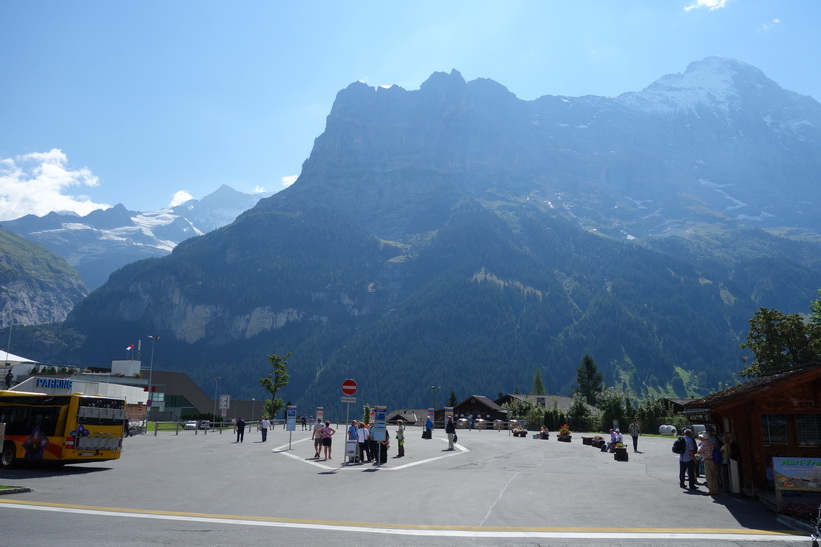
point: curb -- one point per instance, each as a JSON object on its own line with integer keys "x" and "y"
{"x": 795, "y": 524}
{"x": 18, "y": 490}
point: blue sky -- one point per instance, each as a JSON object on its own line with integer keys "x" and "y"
{"x": 138, "y": 102}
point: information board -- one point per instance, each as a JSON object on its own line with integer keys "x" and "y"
{"x": 291, "y": 413}
{"x": 379, "y": 430}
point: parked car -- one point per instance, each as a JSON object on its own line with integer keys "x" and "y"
{"x": 205, "y": 424}
{"x": 191, "y": 424}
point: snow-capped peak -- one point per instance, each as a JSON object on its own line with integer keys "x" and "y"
{"x": 710, "y": 81}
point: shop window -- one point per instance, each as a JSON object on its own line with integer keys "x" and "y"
{"x": 774, "y": 428}
{"x": 808, "y": 429}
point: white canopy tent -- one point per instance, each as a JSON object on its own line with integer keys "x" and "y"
{"x": 18, "y": 365}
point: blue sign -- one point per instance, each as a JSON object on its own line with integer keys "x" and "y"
{"x": 291, "y": 425}
{"x": 379, "y": 432}
{"x": 54, "y": 383}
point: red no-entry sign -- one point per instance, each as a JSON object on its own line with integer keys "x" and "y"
{"x": 349, "y": 387}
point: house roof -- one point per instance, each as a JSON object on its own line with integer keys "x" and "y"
{"x": 409, "y": 416}
{"x": 484, "y": 401}
{"x": 743, "y": 392}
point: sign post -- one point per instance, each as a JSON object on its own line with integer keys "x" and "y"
{"x": 349, "y": 390}
{"x": 379, "y": 432}
{"x": 291, "y": 425}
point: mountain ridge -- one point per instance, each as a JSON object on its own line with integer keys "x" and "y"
{"x": 458, "y": 236}
{"x": 106, "y": 239}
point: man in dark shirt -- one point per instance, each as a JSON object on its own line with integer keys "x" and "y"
{"x": 240, "y": 429}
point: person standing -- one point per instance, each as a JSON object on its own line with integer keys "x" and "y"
{"x": 9, "y": 378}
{"x": 687, "y": 461}
{"x": 263, "y": 427}
{"x": 383, "y": 447}
{"x": 705, "y": 452}
{"x": 400, "y": 438}
{"x": 240, "y": 429}
{"x": 724, "y": 475}
{"x": 635, "y": 432}
{"x": 450, "y": 429}
{"x": 327, "y": 432}
{"x": 363, "y": 438}
{"x": 428, "y": 429}
{"x": 317, "y": 437}
{"x": 304, "y": 423}
{"x": 353, "y": 436}
{"x": 126, "y": 426}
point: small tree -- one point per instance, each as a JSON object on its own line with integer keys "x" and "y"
{"x": 611, "y": 404}
{"x": 780, "y": 342}
{"x": 538, "y": 385}
{"x": 578, "y": 414}
{"x": 275, "y": 381}
{"x": 589, "y": 381}
{"x": 366, "y": 414}
{"x": 452, "y": 399}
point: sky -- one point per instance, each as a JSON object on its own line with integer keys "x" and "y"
{"x": 154, "y": 102}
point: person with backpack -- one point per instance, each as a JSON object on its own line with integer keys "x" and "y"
{"x": 686, "y": 459}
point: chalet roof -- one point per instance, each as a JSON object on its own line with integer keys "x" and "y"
{"x": 742, "y": 392}
{"x": 680, "y": 401}
{"x": 484, "y": 401}
{"x": 409, "y": 416}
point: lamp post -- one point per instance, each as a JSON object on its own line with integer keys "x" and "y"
{"x": 434, "y": 389}
{"x": 253, "y": 407}
{"x": 151, "y": 373}
{"x": 216, "y": 379}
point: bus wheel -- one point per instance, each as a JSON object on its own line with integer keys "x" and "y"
{"x": 7, "y": 456}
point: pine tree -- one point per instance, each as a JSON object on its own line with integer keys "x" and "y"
{"x": 538, "y": 385}
{"x": 589, "y": 381}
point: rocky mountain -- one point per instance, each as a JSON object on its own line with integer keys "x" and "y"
{"x": 105, "y": 240}
{"x": 720, "y": 144}
{"x": 460, "y": 237}
{"x": 36, "y": 286}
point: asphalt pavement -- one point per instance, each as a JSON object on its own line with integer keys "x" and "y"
{"x": 493, "y": 489}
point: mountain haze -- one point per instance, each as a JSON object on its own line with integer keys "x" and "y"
{"x": 458, "y": 236}
{"x": 107, "y": 239}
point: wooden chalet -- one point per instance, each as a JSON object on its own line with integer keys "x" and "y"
{"x": 777, "y": 415}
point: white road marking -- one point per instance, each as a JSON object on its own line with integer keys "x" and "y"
{"x": 284, "y": 451}
{"x": 433, "y": 531}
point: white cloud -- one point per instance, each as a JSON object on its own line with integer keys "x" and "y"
{"x": 180, "y": 197}
{"x": 767, "y": 26}
{"x": 258, "y": 189}
{"x": 38, "y": 183}
{"x": 289, "y": 180}
{"x": 709, "y": 4}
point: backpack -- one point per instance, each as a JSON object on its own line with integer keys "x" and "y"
{"x": 679, "y": 445}
{"x": 718, "y": 457}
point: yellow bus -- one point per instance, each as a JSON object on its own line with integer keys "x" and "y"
{"x": 76, "y": 428}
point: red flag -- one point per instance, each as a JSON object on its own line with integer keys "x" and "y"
{"x": 129, "y": 347}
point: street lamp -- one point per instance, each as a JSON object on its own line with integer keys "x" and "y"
{"x": 216, "y": 379}
{"x": 434, "y": 389}
{"x": 253, "y": 407}
{"x": 151, "y": 373}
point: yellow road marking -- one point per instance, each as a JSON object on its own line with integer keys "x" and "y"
{"x": 689, "y": 532}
